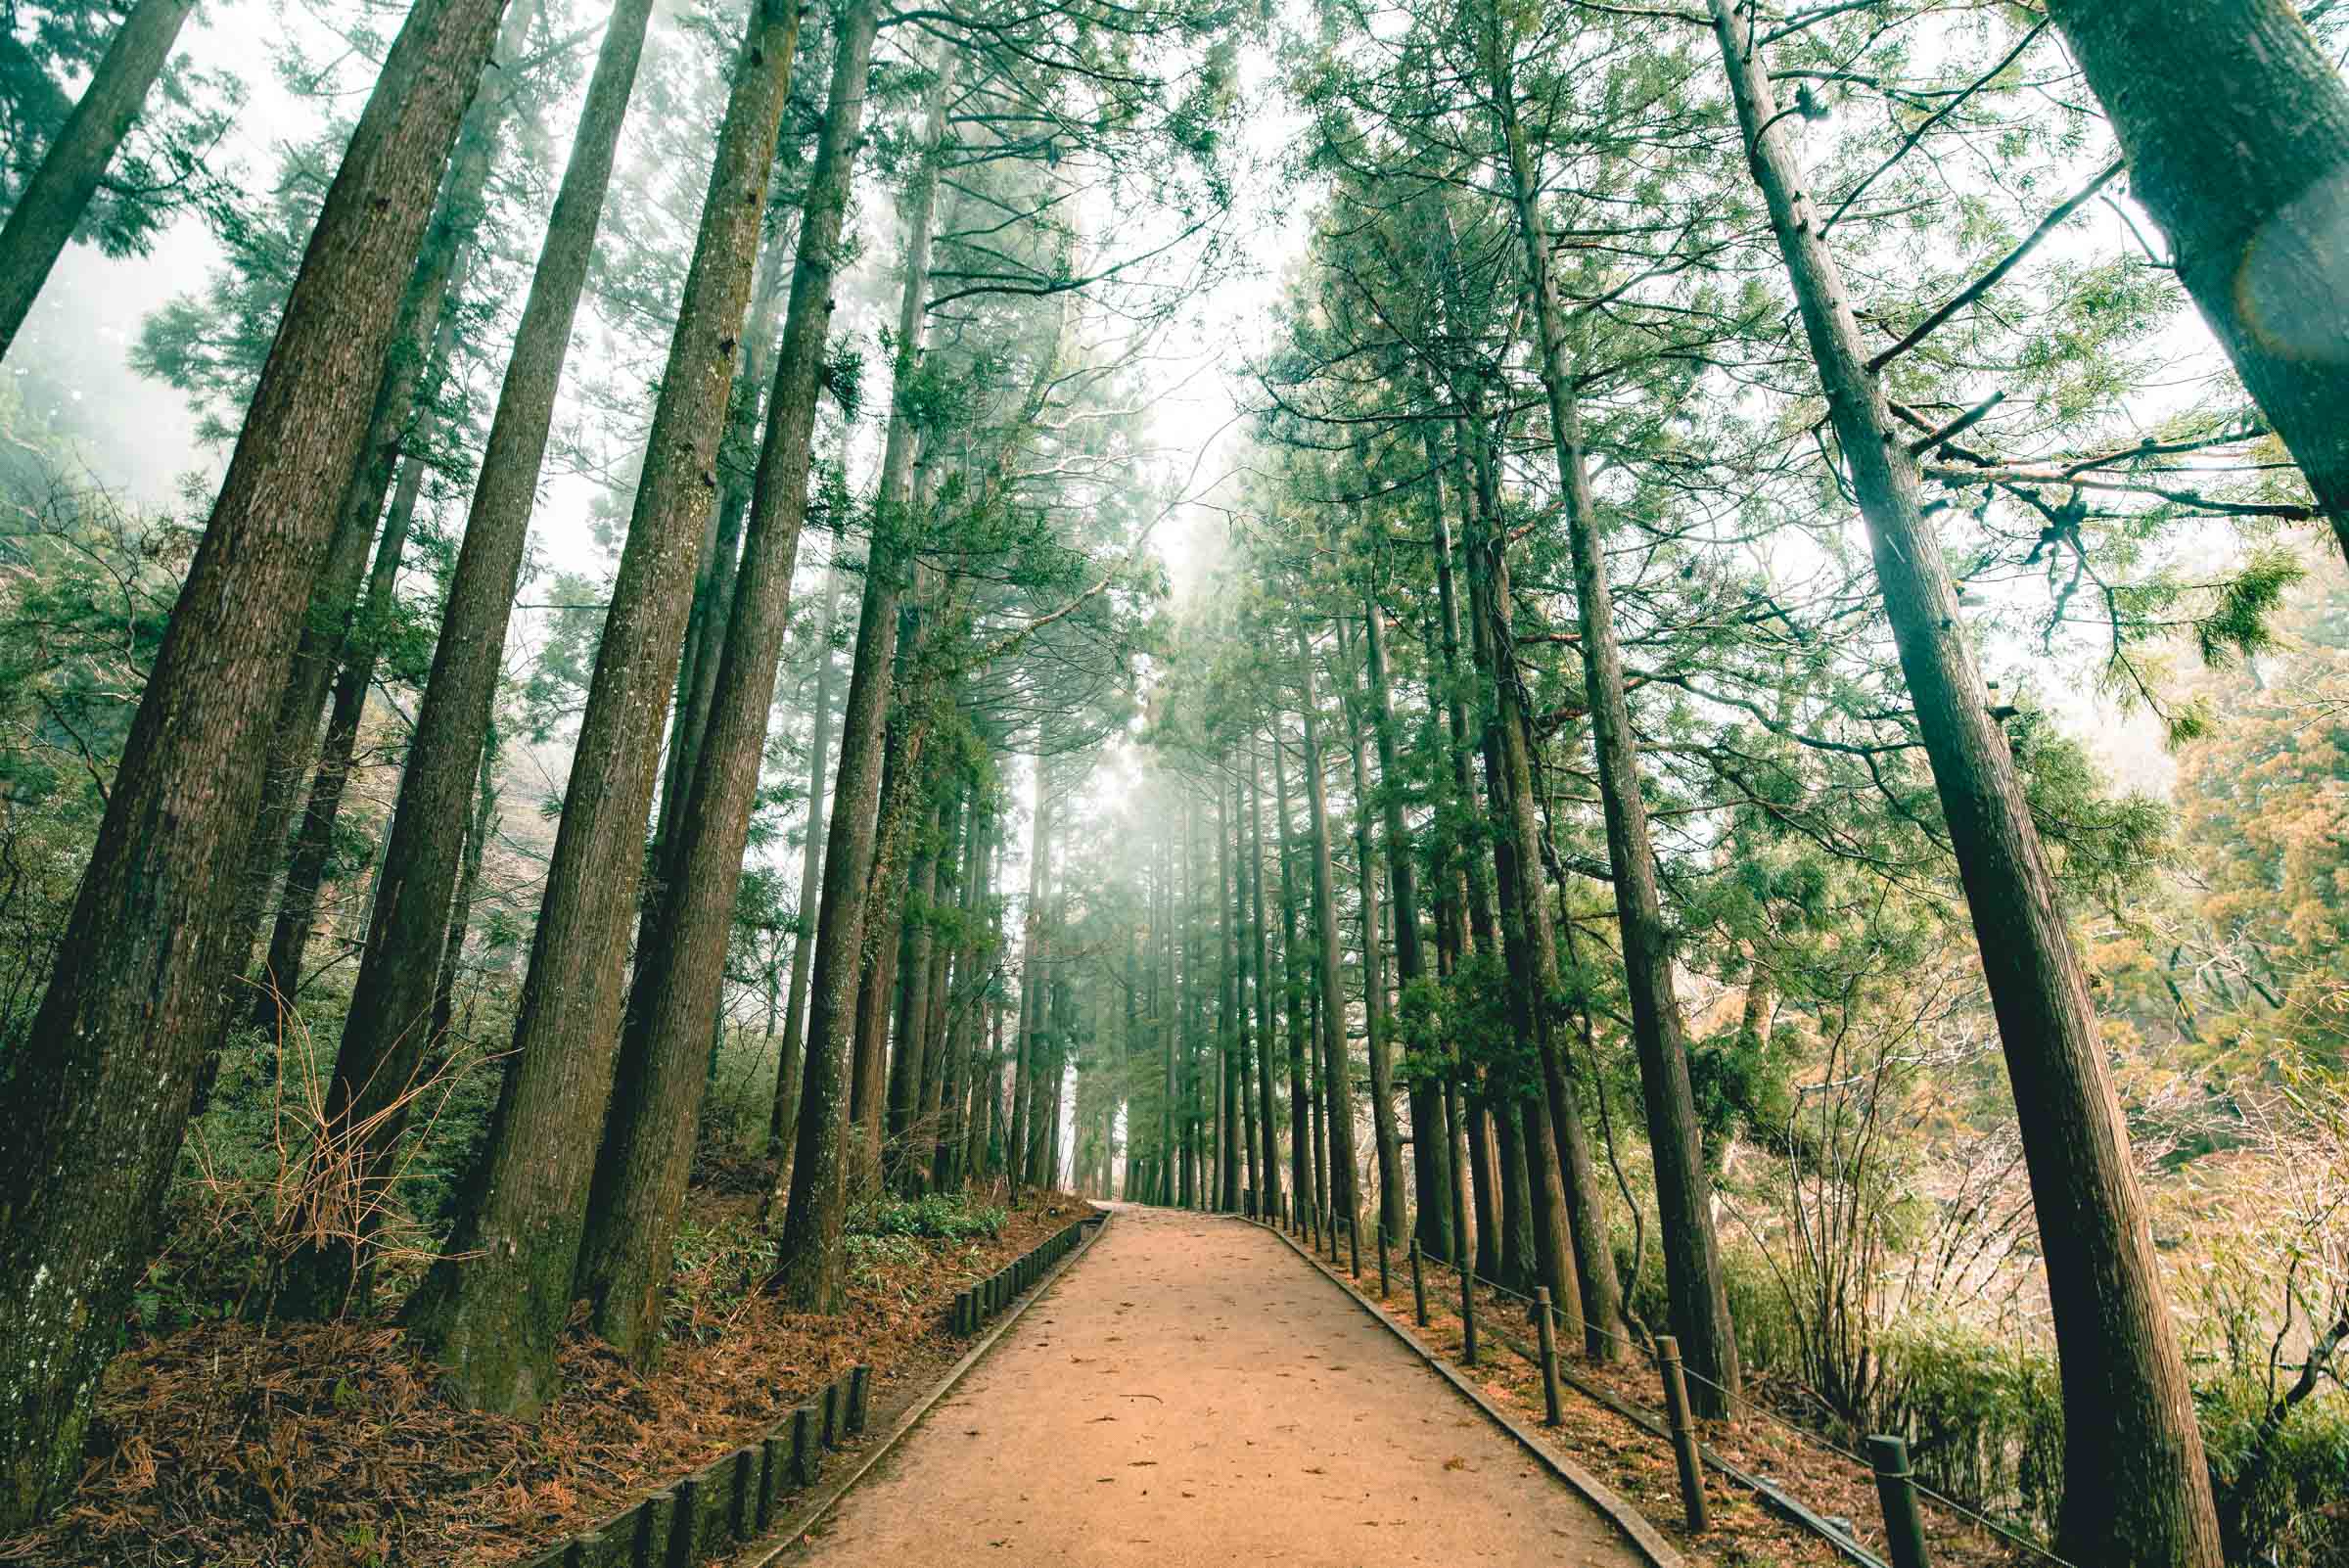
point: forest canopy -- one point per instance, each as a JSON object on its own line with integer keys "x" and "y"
{"x": 1688, "y": 654}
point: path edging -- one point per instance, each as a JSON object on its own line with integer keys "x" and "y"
{"x": 1629, "y": 1521}
{"x": 790, "y": 1530}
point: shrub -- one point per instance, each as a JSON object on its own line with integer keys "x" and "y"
{"x": 942, "y": 1216}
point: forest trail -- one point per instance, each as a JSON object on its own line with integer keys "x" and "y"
{"x": 1191, "y": 1393}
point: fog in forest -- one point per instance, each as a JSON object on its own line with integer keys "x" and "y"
{"x": 680, "y": 684}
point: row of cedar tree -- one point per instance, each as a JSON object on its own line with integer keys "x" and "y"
{"x": 582, "y": 1185}
{"x": 201, "y": 894}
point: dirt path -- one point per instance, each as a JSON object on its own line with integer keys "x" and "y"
{"x": 1190, "y": 1392}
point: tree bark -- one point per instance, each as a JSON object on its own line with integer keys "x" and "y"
{"x": 1265, "y": 1116}
{"x": 908, "y": 1061}
{"x": 1376, "y": 1020}
{"x": 1228, "y": 1028}
{"x": 408, "y": 920}
{"x": 313, "y": 841}
{"x": 2237, "y": 129}
{"x": 490, "y": 1309}
{"x": 50, "y": 206}
{"x": 1431, "y": 1151}
{"x": 1292, "y": 976}
{"x": 970, "y": 974}
{"x": 460, "y": 911}
{"x": 811, "y": 1276}
{"x": 783, "y": 1120}
{"x": 638, "y": 1188}
{"x": 99, "y": 1092}
{"x": 2136, "y": 1488}
{"x": 419, "y": 354}
{"x": 713, "y": 584}
{"x": 1344, "y": 1202}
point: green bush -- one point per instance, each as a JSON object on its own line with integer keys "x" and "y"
{"x": 940, "y": 1215}
{"x": 2283, "y": 1495}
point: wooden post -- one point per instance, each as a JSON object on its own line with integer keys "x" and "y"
{"x": 806, "y": 1445}
{"x": 861, "y": 1378}
{"x": 1353, "y": 1242}
{"x": 742, "y": 1476}
{"x": 1468, "y": 1316}
{"x": 1544, "y": 1320}
{"x": 1419, "y": 1286}
{"x": 1896, "y": 1491}
{"x": 1683, "y": 1433}
{"x": 830, "y": 1406}
{"x": 777, "y": 1451}
{"x": 649, "y": 1543}
{"x": 1382, "y": 1260}
{"x": 685, "y": 1524}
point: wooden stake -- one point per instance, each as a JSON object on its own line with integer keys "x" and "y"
{"x": 1896, "y": 1492}
{"x": 1683, "y": 1433}
{"x": 1546, "y": 1322}
{"x": 1468, "y": 1316}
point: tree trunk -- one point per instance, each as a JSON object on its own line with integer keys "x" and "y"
{"x": 939, "y": 1018}
{"x": 313, "y": 842}
{"x": 1557, "y": 1249}
{"x": 1250, "y": 968}
{"x": 910, "y": 1061}
{"x": 647, "y": 1147}
{"x": 98, "y": 1095}
{"x": 971, "y": 972}
{"x": 1038, "y": 979}
{"x": 460, "y": 912}
{"x": 491, "y": 1310}
{"x": 1344, "y": 1202}
{"x": 714, "y": 583}
{"x": 1266, "y": 1113}
{"x": 1484, "y": 1178}
{"x": 2236, "y": 130}
{"x": 2137, "y": 1490}
{"x": 1292, "y": 976}
{"x": 783, "y": 1120}
{"x": 50, "y": 206}
{"x": 419, "y": 354}
{"x": 1431, "y": 1151}
{"x": 407, "y": 922}
{"x": 1375, "y": 1016}
{"x": 811, "y": 1276}
{"x": 1229, "y": 1030}
{"x": 1683, "y": 1192}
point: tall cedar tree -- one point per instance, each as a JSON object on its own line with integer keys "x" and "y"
{"x": 811, "y": 1276}
{"x": 782, "y": 1121}
{"x": 2236, "y": 131}
{"x": 98, "y": 1093}
{"x": 492, "y": 1306}
{"x": 386, "y": 1033}
{"x": 50, "y": 206}
{"x": 2137, "y": 1490}
{"x": 681, "y": 959}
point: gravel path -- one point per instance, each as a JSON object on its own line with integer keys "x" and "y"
{"x": 1191, "y": 1393}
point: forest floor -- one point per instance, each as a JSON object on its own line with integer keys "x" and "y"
{"x": 1189, "y": 1396}
{"x": 1639, "y": 1467}
{"x": 238, "y": 1443}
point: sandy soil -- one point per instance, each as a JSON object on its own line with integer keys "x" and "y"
{"x": 1191, "y": 1393}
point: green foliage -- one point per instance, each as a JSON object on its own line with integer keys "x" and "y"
{"x": 170, "y": 163}
{"x": 940, "y": 1215}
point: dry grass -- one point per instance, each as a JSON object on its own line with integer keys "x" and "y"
{"x": 1639, "y": 1467}
{"x": 328, "y": 1445}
